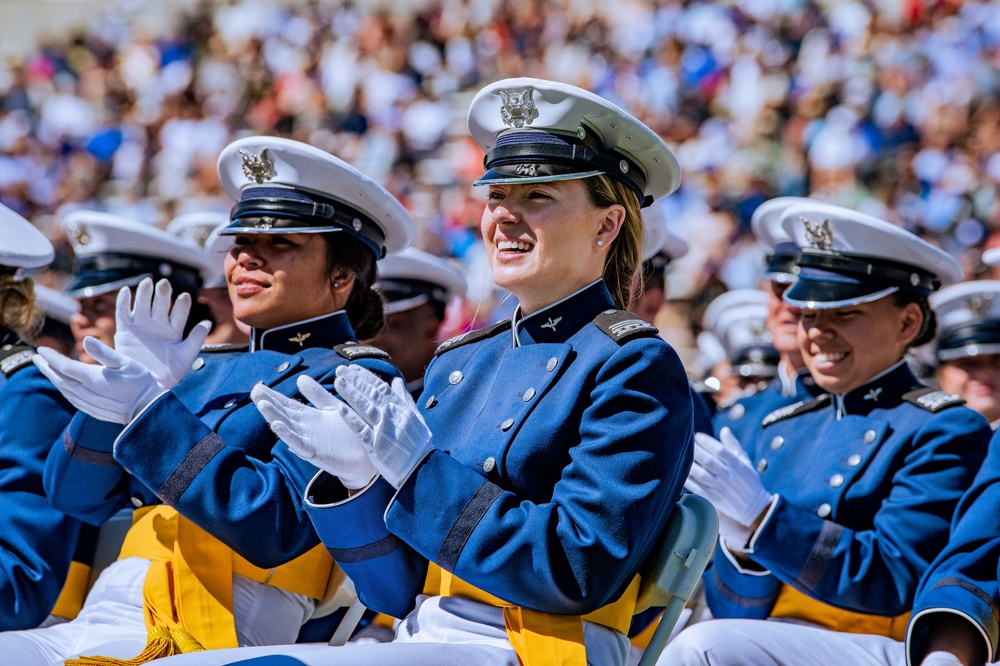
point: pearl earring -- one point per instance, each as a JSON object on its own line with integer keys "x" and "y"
{"x": 600, "y": 243}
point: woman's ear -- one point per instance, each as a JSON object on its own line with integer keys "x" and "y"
{"x": 341, "y": 284}
{"x": 911, "y": 324}
{"x": 611, "y": 224}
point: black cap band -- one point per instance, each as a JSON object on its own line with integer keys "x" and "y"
{"x": 571, "y": 153}
{"x": 878, "y": 274}
{"x": 114, "y": 269}
{"x": 396, "y": 289}
{"x": 974, "y": 333}
{"x": 287, "y": 210}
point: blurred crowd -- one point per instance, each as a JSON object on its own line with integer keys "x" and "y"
{"x": 889, "y": 107}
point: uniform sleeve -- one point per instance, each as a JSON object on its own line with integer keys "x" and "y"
{"x": 733, "y": 592}
{"x": 249, "y": 496}
{"x": 584, "y": 545}
{"x": 82, "y": 478}
{"x": 877, "y": 570}
{"x": 963, "y": 578}
{"x": 38, "y": 540}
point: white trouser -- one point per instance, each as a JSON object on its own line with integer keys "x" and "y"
{"x": 777, "y": 643}
{"x": 111, "y": 622}
{"x": 440, "y": 631}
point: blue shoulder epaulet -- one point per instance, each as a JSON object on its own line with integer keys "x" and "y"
{"x": 932, "y": 399}
{"x": 472, "y": 336}
{"x": 622, "y": 326}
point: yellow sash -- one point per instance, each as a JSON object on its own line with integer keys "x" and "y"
{"x": 74, "y": 591}
{"x": 540, "y": 639}
{"x": 793, "y": 604}
{"x": 188, "y": 591}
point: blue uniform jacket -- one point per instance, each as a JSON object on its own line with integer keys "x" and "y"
{"x": 558, "y": 457}
{"x": 963, "y": 578}
{"x": 868, "y": 482}
{"x": 37, "y": 540}
{"x": 204, "y": 449}
{"x": 743, "y": 417}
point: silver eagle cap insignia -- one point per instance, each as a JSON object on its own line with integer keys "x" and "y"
{"x": 258, "y": 168}
{"x": 818, "y": 235}
{"x": 518, "y": 106}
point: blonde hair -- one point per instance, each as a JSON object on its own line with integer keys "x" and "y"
{"x": 625, "y": 253}
{"x": 17, "y": 305}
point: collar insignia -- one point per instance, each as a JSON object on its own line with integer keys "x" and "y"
{"x": 873, "y": 394}
{"x": 300, "y": 338}
{"x": 258, "y": 168}
{"x": 518, "y": 106}
{"x": 818, "y": 235}
{"x": 552, "y": 323}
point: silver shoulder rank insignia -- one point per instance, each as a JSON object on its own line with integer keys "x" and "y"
{"x": 258, "y": 169}
{"x": 818, "y": 235}
{"x": 780, "y": 413}
{"x": 931, "y": 399}
{"x": 300, "y": 338}
{"x": 518, "y": 106}
{"x": 552, "y": 323}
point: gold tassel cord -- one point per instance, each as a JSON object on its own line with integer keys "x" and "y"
{"x": 162, "y": 643}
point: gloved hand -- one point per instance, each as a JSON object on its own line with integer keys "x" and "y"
{"x": 941, "y": 658}
{"x": 723, "y": 475}
{"x": 152, "y": 334}
{"x": 734, "y": 535}
{"x": 319, "y": 435}
{"x": 115, "y": 390}
{"x": 395, "y": 435}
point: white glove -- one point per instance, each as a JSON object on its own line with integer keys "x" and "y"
{"x": 723, "y": 475}
{"x": 396, "y": 436}
{"x": 115, "y": 390}
{"x": 319, "y": 435}
{"x": 941, "y": 658}
{"x": 734, "y": 535}
{"x": 152, "y": 334}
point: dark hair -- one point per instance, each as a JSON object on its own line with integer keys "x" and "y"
{"x": 928, "y": 328}
{"x": 365, "y": 307}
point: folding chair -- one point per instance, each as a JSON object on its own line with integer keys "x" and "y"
{"x": 672, "y": 572}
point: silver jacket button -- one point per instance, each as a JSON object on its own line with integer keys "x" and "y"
{"x": 198, "y": 364}
{"x": 837, "y": 480}
{"x": 489, "y": 464}
{"x": 761, "y": 465}
{"x": 284, "y": 366}
{"x": 551, "y": 365}
{"x": 455, "y": 377}
{"x": 136, "y": 502}
{"x": 507, "y": 424}
{"x": 777, "y": 443}
{"x": 824, "y": 510}
{"x": 870, "y": 436}
{"x": 854, "y": 460}
{"x": 230, "y": 403}
{"x": 529, "y": 394}
{"x": 430, "y": 402}
{"x": 736, "y": 412}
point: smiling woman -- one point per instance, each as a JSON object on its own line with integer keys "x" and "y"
{"x": 516, "y": 504}
{"x": 219, "y": 530}
{"x": 832, "y": 509}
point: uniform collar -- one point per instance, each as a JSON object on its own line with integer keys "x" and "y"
{"x": 325, "y": 331}
{"x": 563, "y": 318}
{"x": 883, "y": 390}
